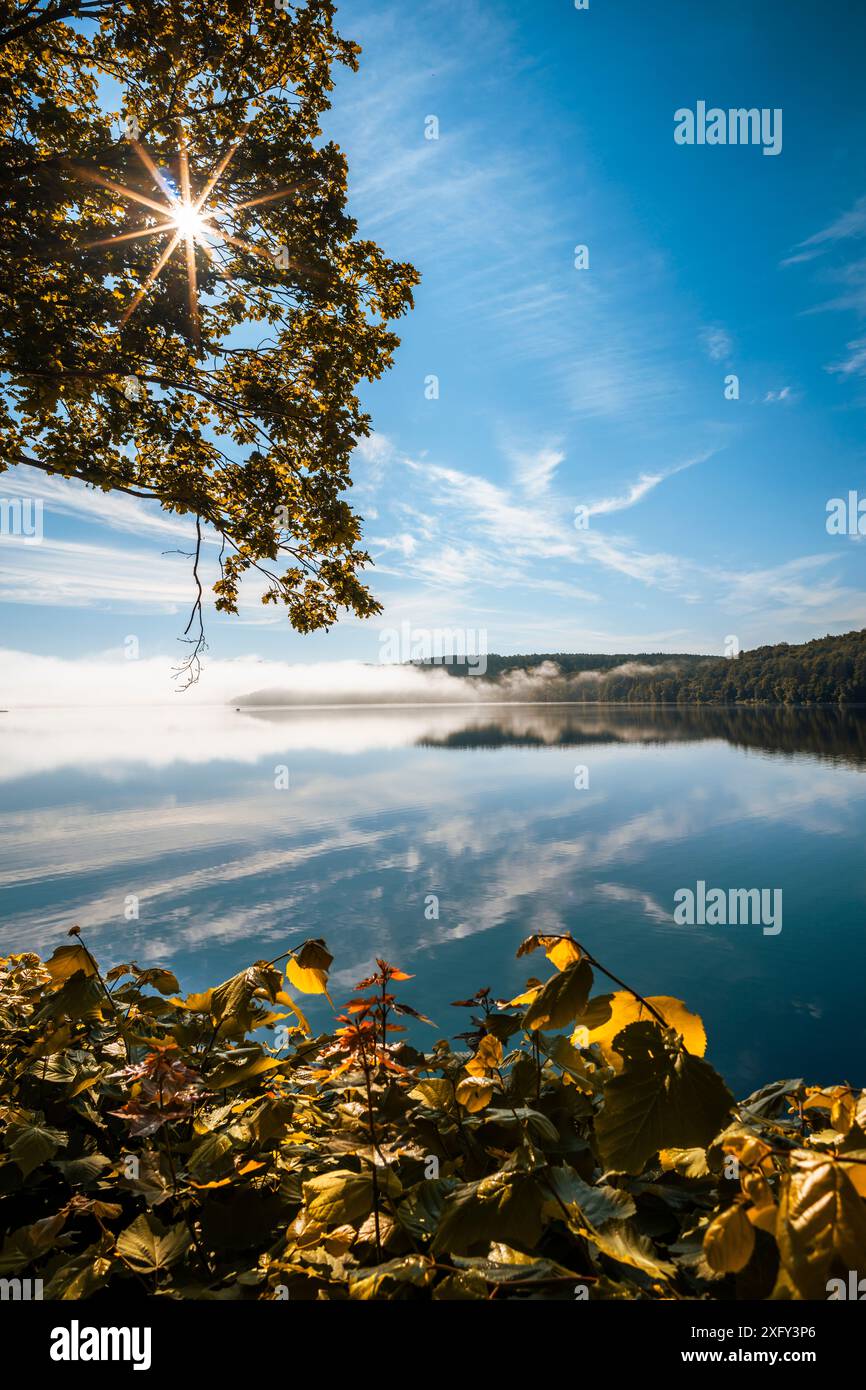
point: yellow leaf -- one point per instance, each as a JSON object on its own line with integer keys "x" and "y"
{"x": 626, "y": 1009}
{"x": 535, "y": 988}
{"x": 563, "y": 953}
{"x": 729, "y": 1241}
{"x": 474, "y": 1092}
{"x": 843, "y": 1112}
{"x": 66, "y": 961}
{"x": 856, "y": 1176}
{"x": 821, "y": 1223}
{"x": 757, "y": 1189}
{"x": 689, "y": 1163}
{"x": 764, "y": 1218}
{"x": 283, "y": 998}
{"x": 309, "y": 979}
{"x": 749, "y": 1150}
{"x": 195, "y": 1003}
{"x": 819, "y": 1098}
{"x": 487, "y": 1058}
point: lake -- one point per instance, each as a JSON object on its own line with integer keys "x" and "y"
{"x": 504, "y": 820}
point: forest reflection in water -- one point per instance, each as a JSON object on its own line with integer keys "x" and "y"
{"x": 833, "y": 733}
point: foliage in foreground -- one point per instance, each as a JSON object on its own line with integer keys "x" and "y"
{"x": 574, "y": 1146}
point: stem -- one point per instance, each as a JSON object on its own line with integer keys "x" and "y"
{"x": 615, "y": 978}
{"x": 107, "y": 992}
{"x": 367, "y": 1085}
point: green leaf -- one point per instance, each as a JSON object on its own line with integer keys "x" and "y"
{"x": 338, "y": 1197}
{"x": 561, "y": 999}
{"x": 663, "y": 1098}
{"x": 82, "y": 1172}
{"x": 461, "y": 1286}
{"x": 162, "y": 980}
{"x": 434, "y": 1093}
{"x": 33, "y": 1145}
{"x": 149, "y": 1246}
{"x": 689, "y": 1163}
{"x": 232, "y": 1001}
{"x": 233, "y": 1076}
{"x": 597, "y": 1205}
{"x": 80, "y": 996}
{"x": 506, "y": 1206}
{"x": 421, "y": 1210}
{"x": 522, "y": 1115}
{"x": 80, "y": 1276}
{"x": 507, "y": 1266}
{"x": 389, "y": 1280}
{"x": 207, "y": 1157}
{"x": 565, "y": 1055}
{"x": 627, "y": 1246}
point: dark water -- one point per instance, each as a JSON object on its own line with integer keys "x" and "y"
{"x": 388, "y": 806}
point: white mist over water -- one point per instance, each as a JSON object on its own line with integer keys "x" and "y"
{"x": 110, "y": 680}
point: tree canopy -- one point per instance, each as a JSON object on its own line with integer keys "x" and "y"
{"x": 136, "y": 132}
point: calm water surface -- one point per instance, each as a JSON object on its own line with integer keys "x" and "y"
{"x": 479, "y": 807}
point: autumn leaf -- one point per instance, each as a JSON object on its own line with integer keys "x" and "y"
{"x": 564, "y": 952}
{"x": 561, "y": 1000}
{"x": 821, "y": 1223}
{"x": 66, "y": 961}
{"x": 309, "y": 980}
{"x": 729, "y": 1241}
{"x": 487, "y": 1057}
{"x": 149, "y": 1246}
{"x": 474, "y": 1092}
{"x": 624, "y": 1008}
{"x": 663, "y": 1098}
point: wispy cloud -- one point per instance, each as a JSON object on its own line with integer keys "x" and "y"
{"x": 717, "y": 343}
{"x": 849, "y": 224}
{"x": 77, "y": 574}
{"x": 485, "y": 537}
{"x": 645, "y": 484}
{"x": 535, "y": 470}
{"x": 843, "y": 270}
{"x": 855, "y": 363}
{"x": 71, "y": 498}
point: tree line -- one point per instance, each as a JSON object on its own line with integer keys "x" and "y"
{"x": 827, "y": 670}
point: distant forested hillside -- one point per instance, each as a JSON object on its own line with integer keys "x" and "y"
{"x": 828, "y": 670}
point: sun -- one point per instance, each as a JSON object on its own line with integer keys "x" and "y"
{"x": 189, "y": 221}
{"x": 183, "y": 219}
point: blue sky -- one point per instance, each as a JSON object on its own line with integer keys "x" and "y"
{"x": 559, "y": 387}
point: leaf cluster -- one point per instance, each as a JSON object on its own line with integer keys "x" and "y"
{"x": 567, "y": 1143}
{"x": 242, "y": 412}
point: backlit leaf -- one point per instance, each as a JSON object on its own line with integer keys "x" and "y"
{"x": 625, "y": 1009}
{"x": 663, "y": 1098}
{"x": 474, "y": 1092}
{"x": 821, "y": 1224}
{"x": 149, "y": 1246}
{"x": 561, "y": 999}
{"x": 729, "y": 1241}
